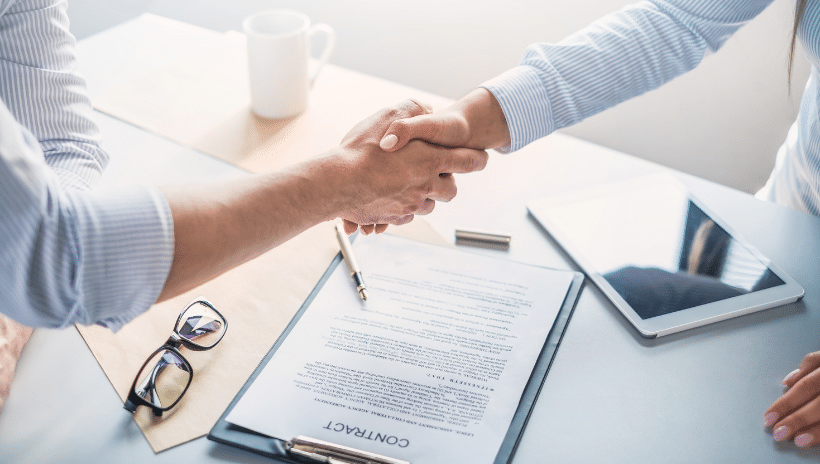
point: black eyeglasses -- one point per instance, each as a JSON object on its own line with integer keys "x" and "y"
{"x": 166, "y": 374}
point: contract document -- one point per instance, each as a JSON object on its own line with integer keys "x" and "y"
{"x": 430, "y": 369}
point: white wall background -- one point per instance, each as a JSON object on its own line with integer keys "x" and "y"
{"x": 724, "y": 121}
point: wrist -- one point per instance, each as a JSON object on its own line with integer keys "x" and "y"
{"x": 484, "y": 119}
{"x": 337, "y": 182}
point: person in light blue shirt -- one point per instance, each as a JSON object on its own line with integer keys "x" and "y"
{"x": 620, "y": 56}
{"x": 72, "y": 254}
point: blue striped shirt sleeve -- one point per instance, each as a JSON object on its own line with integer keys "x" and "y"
{"x": 71, "y": 254}
{"x": 620, "y": 56}
{"x": 38, "y": 86}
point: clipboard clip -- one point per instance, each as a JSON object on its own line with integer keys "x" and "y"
{"x": 331, "y": 453}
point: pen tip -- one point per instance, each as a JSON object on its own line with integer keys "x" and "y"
{"x": 363, "y": 294}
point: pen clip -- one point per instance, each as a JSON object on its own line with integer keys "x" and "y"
{"x": 330, "y": 453}
{"x": 316, "y": 457}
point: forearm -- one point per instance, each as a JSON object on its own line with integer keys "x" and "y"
{"x": 486, "y": 122}
{"x": 220, "y": 226}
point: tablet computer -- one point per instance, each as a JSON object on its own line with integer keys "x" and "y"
{"x": 661, "y": 256}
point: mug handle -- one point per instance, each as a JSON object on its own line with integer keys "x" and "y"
{"x": 330, "y": 42}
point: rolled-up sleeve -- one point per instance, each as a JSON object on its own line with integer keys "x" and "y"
{"x": 75, "y": 256}
{"x": 620, "y": 56}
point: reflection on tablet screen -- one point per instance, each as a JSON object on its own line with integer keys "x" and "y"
{"x": 661, "y": 252}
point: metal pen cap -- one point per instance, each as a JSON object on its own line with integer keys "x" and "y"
{"x": 483, "y": 239}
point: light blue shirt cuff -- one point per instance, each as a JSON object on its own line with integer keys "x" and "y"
{"x": 525, "y": 103}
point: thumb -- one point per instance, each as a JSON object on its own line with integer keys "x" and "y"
{"x": 401, "y": 131}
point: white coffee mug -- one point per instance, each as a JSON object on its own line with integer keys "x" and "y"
{"x": 279, "y": 44}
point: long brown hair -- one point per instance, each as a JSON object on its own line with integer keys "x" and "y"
{"x": 799, "y": 9}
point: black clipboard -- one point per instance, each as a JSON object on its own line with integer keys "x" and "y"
{"x": 240, "y": 437}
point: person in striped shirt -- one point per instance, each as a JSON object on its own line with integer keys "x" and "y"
{"x": 620, "y": 56}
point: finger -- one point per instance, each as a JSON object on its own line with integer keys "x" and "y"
{"x": 462, "y": 160}
{"x": 809, "y": 363}
{"x": 403, "y": 220}
{"x": 808, "y": 437}
{"x": 801, "y": 393}
{"x": 444, "y": 188}
{"x": 350, "y": 227}
{"x": 426, "y": 207}
{"x": 381, "y": 228}
{"x": 806, "y": 416}
{"x": 367, "y": 229}
{"x": 410, "y": 108}
{"x": 394, "y": 220}
{"x": 424, "y": 127}
{"x": 426, "y": 107}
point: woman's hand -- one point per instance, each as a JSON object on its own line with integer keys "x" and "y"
{"x": 476, "y": 121}
{"x": 796, "y": 414}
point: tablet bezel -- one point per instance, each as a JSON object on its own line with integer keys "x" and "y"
{"x": 683, "y": 319}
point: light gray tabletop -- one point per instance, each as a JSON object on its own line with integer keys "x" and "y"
{"x": 611, "y": 396}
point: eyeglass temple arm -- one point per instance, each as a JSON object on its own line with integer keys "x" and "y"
{"x": 145, "y": 388}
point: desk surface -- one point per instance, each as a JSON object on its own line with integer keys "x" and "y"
{"x": 611, "y": 396}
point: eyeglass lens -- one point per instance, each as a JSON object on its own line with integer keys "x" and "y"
{"x": 201, "y": 325}
{"x": 163, "y": 379}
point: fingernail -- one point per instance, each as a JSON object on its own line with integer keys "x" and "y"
{"x": 781, "y": 432}
{"x": 388, "y": 142}
{"x": 769, "y": 418}
{"x": 803, "y": 440}
{"x": 791, "y": 375}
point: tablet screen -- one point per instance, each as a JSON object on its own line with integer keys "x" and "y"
{"x": 659, "y": 250}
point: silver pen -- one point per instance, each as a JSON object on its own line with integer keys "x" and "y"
{"x": 352, "y": 265}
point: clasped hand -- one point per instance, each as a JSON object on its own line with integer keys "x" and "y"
{"x": 796, "y": 414}
{"x": 391, "y": 188}
{"x": 475, "y": 122}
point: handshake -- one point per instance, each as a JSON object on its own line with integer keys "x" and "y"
{"x": 401, "y": 160}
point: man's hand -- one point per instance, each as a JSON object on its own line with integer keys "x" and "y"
{"x": 12, "y": 338}
{"x": 796, "y": 414}
{"x": 475, "y": 121}
{"x": 390, "y": 188}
